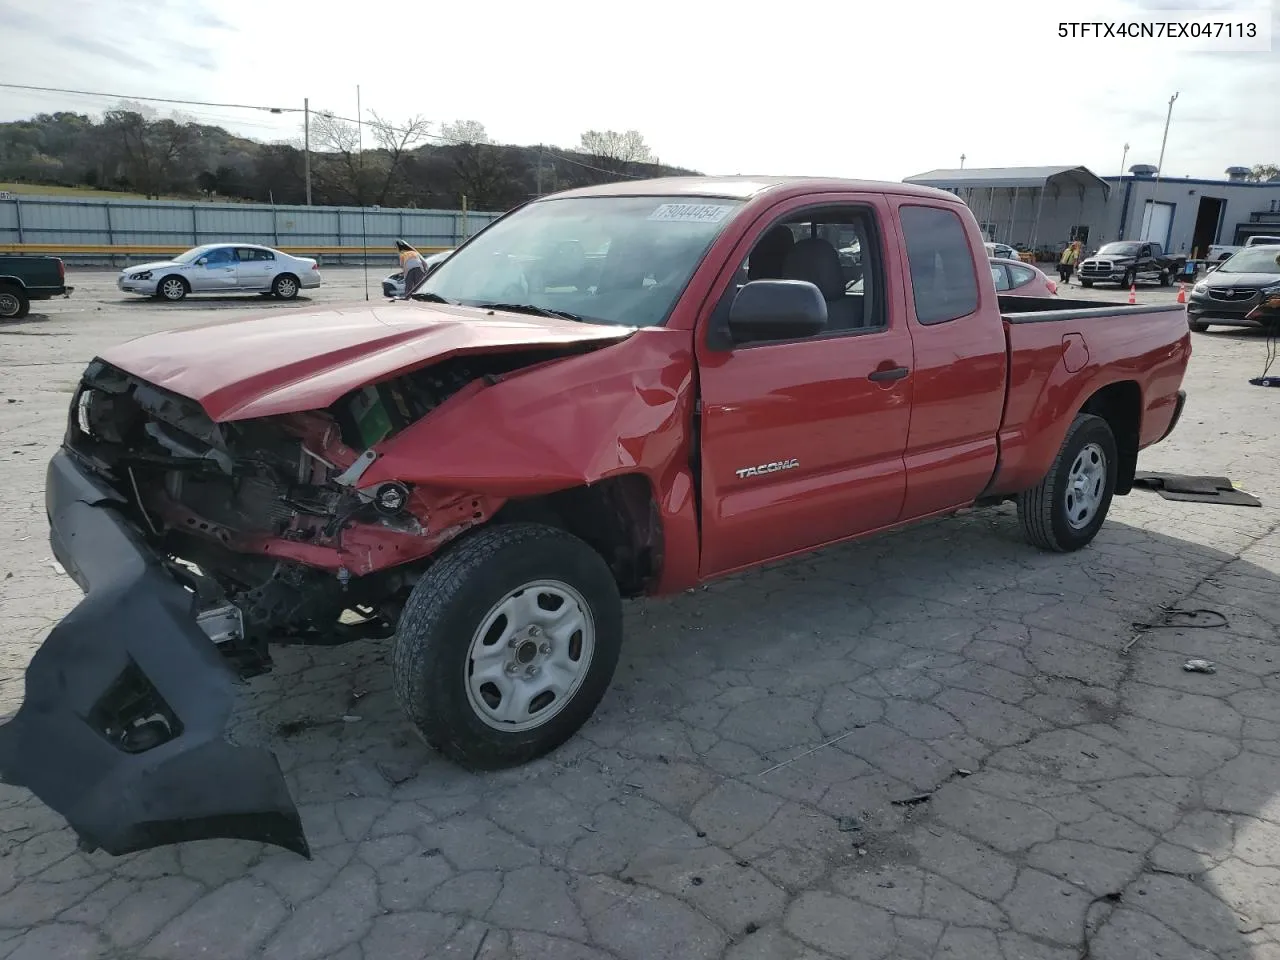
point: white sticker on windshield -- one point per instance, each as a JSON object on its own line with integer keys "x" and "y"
{"x": 691, "y": 212}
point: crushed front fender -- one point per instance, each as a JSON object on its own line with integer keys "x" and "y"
{"x": 123, "y": 727}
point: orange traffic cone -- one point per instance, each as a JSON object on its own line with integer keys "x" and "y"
{"x": 1182, "y": 293}
{"x": 1133, "y": 290}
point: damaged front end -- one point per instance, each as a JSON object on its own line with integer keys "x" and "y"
{"x": 197, "y": 545}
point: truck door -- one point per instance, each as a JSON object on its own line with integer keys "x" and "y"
{"x": 801, "y": 441}
{"x": 960, "y": 375}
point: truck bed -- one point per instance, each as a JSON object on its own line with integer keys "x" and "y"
{"x": 1062, "y": 354}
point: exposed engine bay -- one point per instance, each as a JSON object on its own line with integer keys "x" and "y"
{"x": 263, "y": 518}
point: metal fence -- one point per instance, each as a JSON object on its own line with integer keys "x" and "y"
{"x": 129, "y": 223}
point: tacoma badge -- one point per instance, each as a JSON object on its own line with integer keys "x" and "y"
{"x": 768, "y": 468}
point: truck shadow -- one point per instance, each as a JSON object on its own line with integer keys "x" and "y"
{"x": 951, "y": 647}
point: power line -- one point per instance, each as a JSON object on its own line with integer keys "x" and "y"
{"x": 119, "y": 96}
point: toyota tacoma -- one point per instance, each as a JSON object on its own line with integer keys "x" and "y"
{"x": 612, "y": 392}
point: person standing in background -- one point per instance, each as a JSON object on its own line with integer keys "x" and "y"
{"x": 412, "y": 265}
{"x": 1067, "y": 263}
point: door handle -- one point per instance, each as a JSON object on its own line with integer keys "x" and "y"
{"x": 883, "y": 376}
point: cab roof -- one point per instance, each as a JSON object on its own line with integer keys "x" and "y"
{"x": 748, "y": 187}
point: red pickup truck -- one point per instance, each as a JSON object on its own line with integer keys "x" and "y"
{"x": 612, "y": 392}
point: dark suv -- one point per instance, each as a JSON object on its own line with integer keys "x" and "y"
{"x": 1232, "y": 290}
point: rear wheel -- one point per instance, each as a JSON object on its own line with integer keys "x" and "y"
{"x": 285, "y": 286}
{"x": 1197, "y": 326}
{"x": 14, "y": 303}
{"x": 1067, "y": 508}
{"x": 173, "y": 289}
{"x": 507, "y": 644}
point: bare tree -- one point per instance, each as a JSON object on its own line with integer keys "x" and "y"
{"x": 395, "y": 141}
{"x": 477, "y": 162}
{"x": 1264, "y": 172}
{"x": 464, "y": 131}
{"x": 614, "y": 151}
{"x": 342, "y": 171}
{"x": 153, "y": 150}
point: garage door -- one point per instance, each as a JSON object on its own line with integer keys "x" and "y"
{"x": 1156, "y": 220}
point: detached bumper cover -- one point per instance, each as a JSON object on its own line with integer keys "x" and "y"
{"x": 132, "y": 657}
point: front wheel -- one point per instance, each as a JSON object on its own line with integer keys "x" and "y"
{"x": 507, "y": 644}
{"x": 1165, "y": 278}
{"x": 1197, "y": 326}
{"x": 1086, "y": 283}
{"x": 1129, "y": 279}
{"x": 1066, "y": 509}
{"x": 173, "y": 289}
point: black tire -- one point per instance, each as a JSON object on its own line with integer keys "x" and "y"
{"x": 431, "y": 659}
{"x": 1086, "y": 283}
{"x": 285, "y": 286}
{"x": 1129, "y": 279}
{"x": 14, "y": 302}
{"x": 1043, "y": 510}
{"x": 1197, "y": 326}
{"x": 173, "y": 288}
{"x": 1165, "y": 278}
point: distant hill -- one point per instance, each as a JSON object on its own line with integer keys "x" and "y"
{"x": 129, "y": 152}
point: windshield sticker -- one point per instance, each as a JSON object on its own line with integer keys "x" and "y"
{"x": 691, "y": 212}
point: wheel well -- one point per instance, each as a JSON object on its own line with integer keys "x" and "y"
{"x": 1120, "y": 404}
{"x": 12, "y": 282}
{"x": 618, "y": 517}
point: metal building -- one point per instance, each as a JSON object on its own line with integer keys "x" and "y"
{"x": 1044, "y": 208}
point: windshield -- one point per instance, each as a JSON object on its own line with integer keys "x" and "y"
{"x": 1119, "y": 250}
{"x": 1253, "y": 260}
{"x": 192, "y": 255}
{"x": 619, "y": 260}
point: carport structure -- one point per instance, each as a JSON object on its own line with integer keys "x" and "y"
{"x": 1010, "y": 202}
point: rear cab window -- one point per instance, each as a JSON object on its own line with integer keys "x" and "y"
{"x": 944, "y": 278}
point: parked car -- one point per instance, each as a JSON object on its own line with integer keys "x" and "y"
{"x": 23, "y": 279}
{"x": 1234, "y": 289}
{"x": 223, "y": 268}
{"x": 1001, "y": 251}
{"x": 484, "y": 472}
{"x": 393, "y": 285}
{"x": 1125, "y": 262}
{"x": 1022, "y": 279}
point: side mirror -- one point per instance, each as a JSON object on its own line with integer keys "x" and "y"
{"x": 777, "y": 310}
{"x": 202, "y": 261}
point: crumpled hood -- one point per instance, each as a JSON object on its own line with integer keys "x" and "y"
{"x": 157, "y": 265}
{"x": 287, "y": 361}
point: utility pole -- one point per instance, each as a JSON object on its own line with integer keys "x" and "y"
{"x": 962, "y": 161}
{"x": 539, "y": 169}
{"x": 1155, "y": 191}
{"x": 306, "y": 143}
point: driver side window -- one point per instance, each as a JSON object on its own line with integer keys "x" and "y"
{"x": 837, "y": 249}
{"x": 220, "y": 257}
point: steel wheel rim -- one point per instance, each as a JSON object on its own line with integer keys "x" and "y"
{"x": 9, "y": 305}
{"x": 529, "y": 656}
{"x": 1086, "y": 485}
{"x": 172, "y": 290}
{"x": 287, "y": 288}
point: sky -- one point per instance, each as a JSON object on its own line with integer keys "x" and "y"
{"x": 851, "y": 88}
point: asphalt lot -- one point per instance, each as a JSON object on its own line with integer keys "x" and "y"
{"x": 935, "y": 744}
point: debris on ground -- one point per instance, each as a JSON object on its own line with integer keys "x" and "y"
{"x": 848, "y": 825}
{"x": 1199, "y": 666}
{"x": 1173, "y": 486}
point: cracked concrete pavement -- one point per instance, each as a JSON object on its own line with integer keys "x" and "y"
{"x": 939, "y": 743}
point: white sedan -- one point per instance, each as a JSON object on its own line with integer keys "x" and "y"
{"x": 223, "y": 268}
